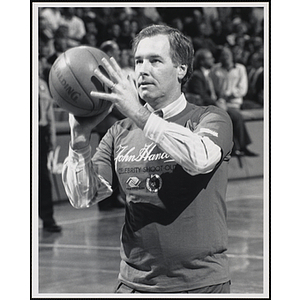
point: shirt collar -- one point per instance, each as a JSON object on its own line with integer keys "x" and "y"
{"x": 172, "y": 109}
{"x": 205, "y": 71}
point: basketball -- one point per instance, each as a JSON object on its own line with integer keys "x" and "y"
{"x": 71, "y": 79}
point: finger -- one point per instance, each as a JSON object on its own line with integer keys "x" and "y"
{"x": 114, "y": 72}
{"x": 103, "y": 96}
{"x": 116, "y": 66}
{"x": 103, "y": 78}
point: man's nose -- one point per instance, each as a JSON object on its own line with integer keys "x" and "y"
{"x": 143, "y": 68}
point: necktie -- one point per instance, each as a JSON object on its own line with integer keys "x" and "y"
{"x": 211, "y": 88}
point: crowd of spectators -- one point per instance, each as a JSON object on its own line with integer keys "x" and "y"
{"x": 240, "y": 28}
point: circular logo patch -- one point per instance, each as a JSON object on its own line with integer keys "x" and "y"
{"x": 154, "y": 183}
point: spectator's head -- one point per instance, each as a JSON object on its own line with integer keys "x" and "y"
{"x": 257, "y": 43}
{"x": 202, "y": 29}
{"x": 226, "y": 57}
{"x": 241, "y": 28}
{"x": 68, "y": 12}
{"x": 126, "y": 27}
{"x": 61, "y": 39}
{"x": 111, "y": 48}
{"x": 126, "y": 60}
{"x": 115, "y": 30}
{"x": 43, "y": 23}
{"x": 89, "y": 39}
{"x": 217, "y": 25}
{"x": 181, "y": 47}
{"x": 177, "y": 23}
{"x": 240, "y": 41}
{"x": 197, "y": 16}
{"x": 44, "y": 45}
{"x": 90, "y": 26}
{"x": 134, "y": 27}
{"x": 257, "y": 60}
{"x": 203, "y": 58}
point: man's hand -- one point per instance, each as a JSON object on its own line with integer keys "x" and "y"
{"x": 124, "y": 93}
{"x": 81, "y": 128}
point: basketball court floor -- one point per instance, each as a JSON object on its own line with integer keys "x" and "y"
{"x": 83, "y": 260}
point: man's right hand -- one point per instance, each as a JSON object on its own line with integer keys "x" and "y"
{"x": 81, "y": 128}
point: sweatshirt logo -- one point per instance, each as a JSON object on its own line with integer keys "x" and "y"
{"x": 124, "y": 154}
{"x": 154, "y": 183}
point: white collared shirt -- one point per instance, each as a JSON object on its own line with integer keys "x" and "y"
{"x": 172, "y": 109}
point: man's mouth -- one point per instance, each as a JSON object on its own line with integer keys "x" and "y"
{"x": 144, "y": 84}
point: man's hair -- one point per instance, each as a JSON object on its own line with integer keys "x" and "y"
{"x": 181, "y": 47}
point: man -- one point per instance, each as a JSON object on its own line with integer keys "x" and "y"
{"x": 171, "y": 159}
{"x": 230, "y": 80}
{"x": 47, "y": 143}
{"x": 76, "y": 26}
{"x": 201, "y": 84}
{"x": 255, "y": 93}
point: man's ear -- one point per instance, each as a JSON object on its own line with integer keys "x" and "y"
{"x": 182, "y": 70}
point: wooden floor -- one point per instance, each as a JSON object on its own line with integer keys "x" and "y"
{"x": 84, "y": 258}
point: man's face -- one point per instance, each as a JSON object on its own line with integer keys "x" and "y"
{"x": 208, "y": 61}
{"x": 157, "y": 76}
{"x": 226, "y": 57}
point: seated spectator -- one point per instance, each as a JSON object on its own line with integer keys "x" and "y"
{"x": 114, "y": 32}
{"x": 127, "y": 63}
{"x": 104, "y": 18}
{"x": 230, "y": 80}
{"x": 254, "y": 45}
{"x": 210, "y": 14}
{"x": 177, "y": 23}
{"x": 201, "y": 84}
{"x": 89, "y": 39}
{"x": 46, "y": 49}
{"x": 51, "y": 17}
{"x": 202, "y": 40}
{"x": 92, "y": 32}
{"x": 239, "y": 30}
{"x": 240, "y": 54}
{"x": 134, "y": 28}
{"x": 146, "y": 16}
{"x": 60, "y": 42}
{"x": 255, "y": 97}
{"x": 125, "y": 38}
{"x": 218, "y": 35}
{"x": 76, "y": 27}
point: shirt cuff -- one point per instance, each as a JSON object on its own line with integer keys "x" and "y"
{"x": 154, "y": 127}
{"x": 79, "y": 158}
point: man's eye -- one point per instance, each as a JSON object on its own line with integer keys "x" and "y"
{"x": 138, "y": 61}
{"x": 154, "y": 61}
